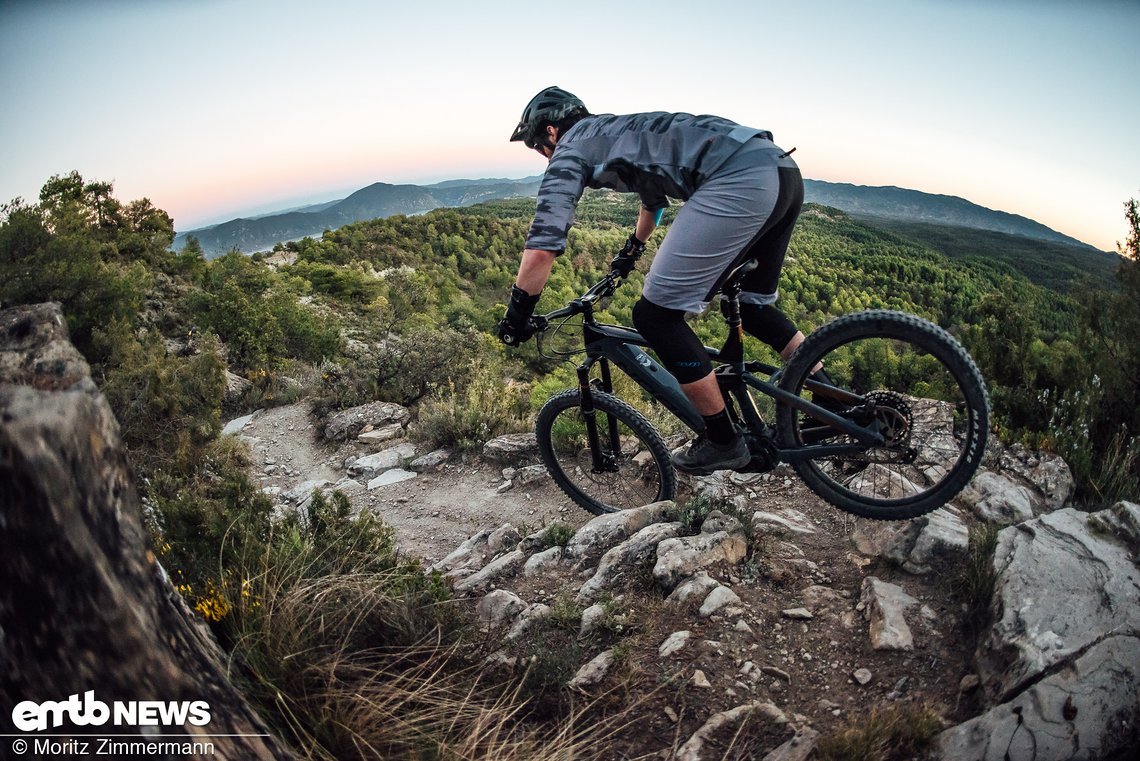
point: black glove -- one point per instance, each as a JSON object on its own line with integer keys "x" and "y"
{"x": 628, "y": 256}
{"x": 517, "y": 326}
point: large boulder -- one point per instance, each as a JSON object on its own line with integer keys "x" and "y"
{"x": 1047, "y": 475}
{"x": 1087, "y": 710}
{"x": 512, "y": 449}
{"x": 1061, "y": 663}
{"x": 595, "y": 538}
{"x": 346, "y": 424}
{"x": 1062, "y": 587}
{"x": 1017, "y": 485}
{"x": 918, "y": 544}
{"x": 84, "y": 607}
{"x": 1121, "y": 521}
{"x": 997, "y": 498}
{"x": 679, "y": 558}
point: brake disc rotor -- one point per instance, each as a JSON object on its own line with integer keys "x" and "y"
{"x": 894, "y": 417}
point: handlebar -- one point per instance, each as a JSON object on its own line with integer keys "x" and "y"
{"x": 598, "y": 291}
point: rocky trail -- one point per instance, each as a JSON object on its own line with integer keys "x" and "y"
{"x": 808, "y": 620}
{"x": 432, "y": 513}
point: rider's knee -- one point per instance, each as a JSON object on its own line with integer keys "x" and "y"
{"x": 670, "y": 336}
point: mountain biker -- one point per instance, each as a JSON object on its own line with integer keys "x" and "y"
{"x": 743, "y": 195}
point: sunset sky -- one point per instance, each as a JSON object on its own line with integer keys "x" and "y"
{"x": 215, "y": 108}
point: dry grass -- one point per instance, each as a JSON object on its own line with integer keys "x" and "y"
{"x": 883, "y": 735}
{"x": 978, "y": 577}
{"x": 351, "y": 652}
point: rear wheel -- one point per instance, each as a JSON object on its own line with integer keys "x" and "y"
{"x": 915, "y": 385}
{"x": 634, "y": 467}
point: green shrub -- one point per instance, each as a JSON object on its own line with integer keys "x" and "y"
{"x": 168, "y": 407}
{"x": 691, "y": 514}
{"x": 399, "y": 367}
{"x": 558, "y": 534}
{"x": 977, "y": 578}
{"x": 306, "y": 336}
{"x": 243, "y": 321}
{"x": 206, "y": 523}
{"x": 467, "y": 417}
{"x": 58, "y": 250}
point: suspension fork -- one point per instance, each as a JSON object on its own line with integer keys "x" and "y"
{"x": 608, "y": 387}
{"x": 600, "y": 462}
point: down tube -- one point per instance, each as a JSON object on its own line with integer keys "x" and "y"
{"x": 655, "y": 379}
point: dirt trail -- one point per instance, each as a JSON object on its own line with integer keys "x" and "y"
{"x": 432, "y": 514}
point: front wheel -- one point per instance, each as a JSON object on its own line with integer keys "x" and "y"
{"x": 912, "y": 383}
{"x": 631, "y": 466}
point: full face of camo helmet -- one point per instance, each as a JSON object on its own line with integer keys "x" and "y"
{"x": 548, "y": 107}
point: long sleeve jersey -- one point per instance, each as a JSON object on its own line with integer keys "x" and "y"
{"x": 656, "y": 155}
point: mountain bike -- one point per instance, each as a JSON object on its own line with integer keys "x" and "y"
{"x": 898, "y": 432}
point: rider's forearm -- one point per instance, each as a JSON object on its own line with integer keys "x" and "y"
{"x": 534, "y": 270}
{"x": 646, "y": 224}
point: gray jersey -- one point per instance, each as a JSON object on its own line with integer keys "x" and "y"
{"x": 656, "y": 155}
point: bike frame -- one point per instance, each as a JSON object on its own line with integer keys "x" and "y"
{"x": 613, "y": 344}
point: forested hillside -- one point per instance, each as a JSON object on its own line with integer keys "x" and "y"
{"x": 377, "y": 200}
{"x": 964, "y": 227}
{"x": 903, "y": 204}
{"x": 1062, "y": 267}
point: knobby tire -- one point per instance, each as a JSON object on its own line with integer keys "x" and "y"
{"x": 630, "y": 483}
{"x": 930, "y": 487}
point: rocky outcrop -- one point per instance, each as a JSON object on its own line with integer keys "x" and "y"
{"x": 916, "y": 545}
{"x": 512, "y": 449}
{"x": 1061, "y": 663}
{"x": 1022, "y": 485}
{"x": 84, "y": 606}
{"x": 886, "y": 606}
{"x": 1057, "y": 557}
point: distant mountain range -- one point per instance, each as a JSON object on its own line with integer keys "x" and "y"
{"x": 905, "y": 205}
{"x": 377, "y": 200}
{"x": 384, "y": 200}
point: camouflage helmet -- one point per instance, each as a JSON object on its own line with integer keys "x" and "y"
{"x": 549, "y": 106}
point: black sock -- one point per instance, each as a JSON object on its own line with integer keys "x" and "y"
{"x": 719, "y": 428}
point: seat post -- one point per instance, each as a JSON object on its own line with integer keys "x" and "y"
{"x": 733, "y": 349}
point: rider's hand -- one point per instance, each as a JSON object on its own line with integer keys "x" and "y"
{"x": 517, "y": 325}
{"x": 628, "y": 256}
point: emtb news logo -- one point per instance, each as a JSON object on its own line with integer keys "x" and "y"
{"x": 30, "y": 716}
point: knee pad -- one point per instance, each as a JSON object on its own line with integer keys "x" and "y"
{"x": 768, "y": 324}
{"x": 670, "y": 336}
